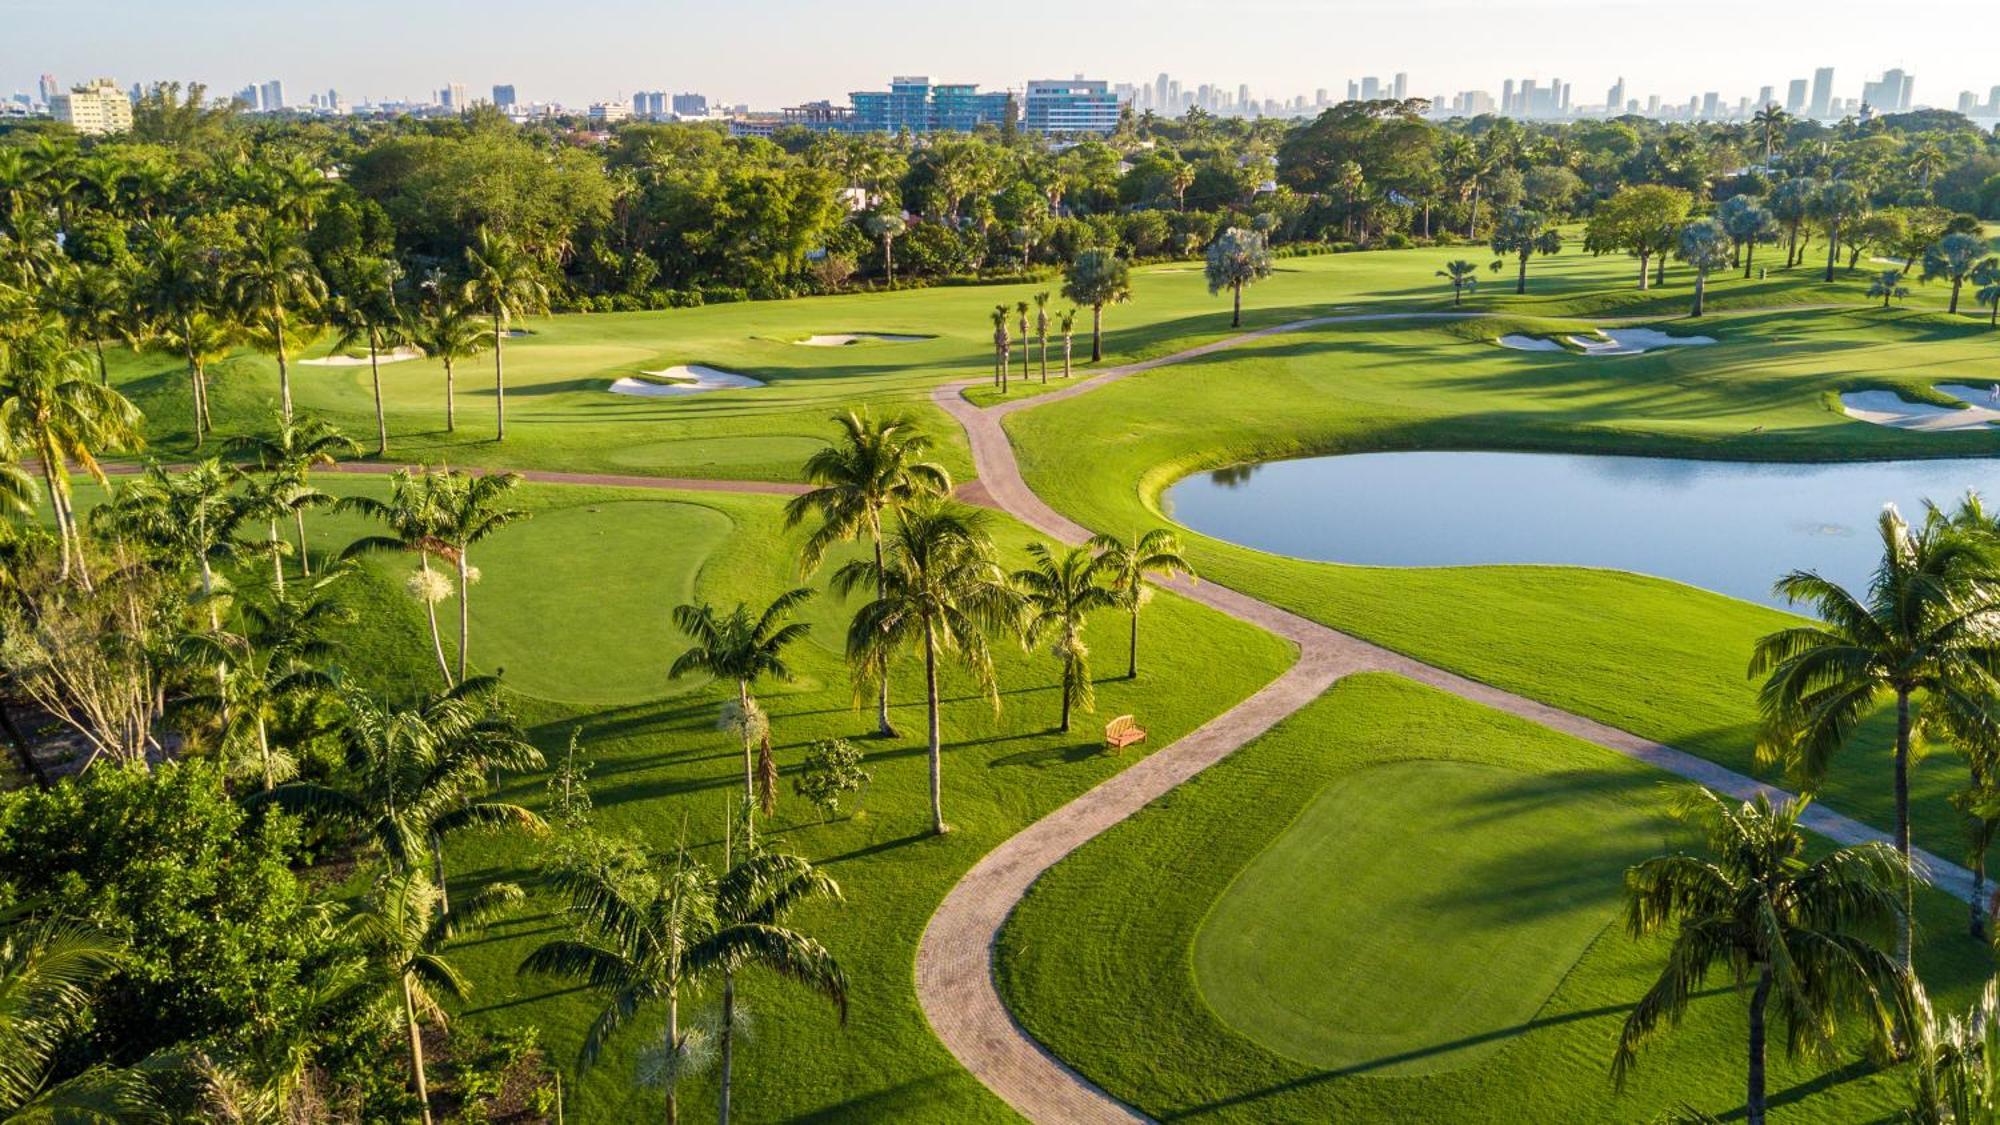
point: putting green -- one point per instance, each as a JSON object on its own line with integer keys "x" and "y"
{"x": 1291, "y": 958}
{"x": 574, "y": 604}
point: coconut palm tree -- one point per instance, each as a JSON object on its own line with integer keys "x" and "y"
{"x": 93, "y": 302}
{"x": 1042, "y": 331}
{"x": 1955, "y": 1063}
{"x": 192, "y": 517}
{"x": 1770, "y": 120}
{"x": 287, "y": 456}
{"x": 1888, "y": 285}
{"x": 648, "y": 932}
{"x": 1925, "y": 628}
{"x": 1127, "y": 564}
{"x": 447, "y": 332}
{"x": 1460, "y": 275}
{"x": 1236, "y": 258}
{"x": 504, "y": 284}
{"x": 415, "y": 522}
{"x": 1987, "y": 276}
{"x": 1066, "y": 324}
{"x": 48, "y": 971}
{"x": 199, "y": 339}
{"x": 51, "y": 409}
{"x": 1801, "y": 935}
{"x": 873, "y": 469}
{"x": 1955, "y": 257}
{"x": 1098, "y": 278}
{"x": 1523, "y": 234}
{"x": 760, "y": 889}
{"x": 740, "y": 649}
{"x": 275, "y": 661}
{"x": 942, "y": 593}
{"x": 471, "y": 507}
{"x": 272, "y": 279}
{"x": 404, "y": 926}
{"x": 1179, "y": 179}
{"x": 888, "y": 226}
{"x": 1059, "y": 593}
{"x": 364, "y": 311}
{"x": 1704, "y": 246}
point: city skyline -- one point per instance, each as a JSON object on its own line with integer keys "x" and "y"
{"x": 732, "y": 54}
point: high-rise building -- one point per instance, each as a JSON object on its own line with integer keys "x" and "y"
{"x": 1795, "y": 97}
{"x": 1614, "y": 99}
{"x": 1243, "y": 98}
{"x": 94, "y": 108}
{"x": 690, "y": 105}
{"x": 1765, "y": 96}
{"x": 271, "y": 96}
{"x": 1709, "y": 105}
{"x": 1507, "y": 98}
{"x": 915, "y": 104}
{"x": 1821, "y": 105}
{"x": 503, "y": 97}
{"x": 1652, "y": 105}
{"x": 1371, "y": 89}
{"x": 247, "y": 98}
{"x": 1077, "y": 105}
{"x": 452, "y": 97}
{"x": 609, "y": 113}
{"x": 1402, "y": 85}
{"x": 1891, "y": 94}
{"x": 1160, "y": 93}
{"x": 49, "y": 89}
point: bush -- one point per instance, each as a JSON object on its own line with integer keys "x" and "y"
{"x": 832, "y": 767}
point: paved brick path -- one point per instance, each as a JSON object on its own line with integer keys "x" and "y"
{"x": 954, "y": 968}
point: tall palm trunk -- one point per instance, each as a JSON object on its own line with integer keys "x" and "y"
{"x": 1956, "y": 284}
{"x": 431, "y": 610}
{"x": 285, "y": 388}
{"x": 1068, "y": 689}
{"x": 103, "y": 372}
{"x": 194, "y": 402}
{"x": 1982, "y": 838}
{"x": 305, "y": 560}
{"x": 1754, "y": 1099}
{"x": 673, "y": 1052}
{"x": 1096, "y": 333}
{"x": 1749, "y": 256}
{"x": 277, "y": 558}
{"x": 375, "y": 374}
{"x": 728, "y": 1035}
{"x": 464, "y": 610}
{"x": 416, "y": 1049}
{"x": 264, "y": 753}
{"x": 1042, "y": 335}
{"x": 450, "y": 399}
{"x": 1132, "y": 649}
{"x": 1833, "y": 251}
{"x": 882, "y": 725}
{"x": 437, "y": 872}
{"x": 1906, "y": 935}
{"x": 936, "y": 743}
{"x": 1066, "y": 355}
{"x": 65, "y": 531}
{"x": 749, "y": 760}
{"x": 499, "y": 384}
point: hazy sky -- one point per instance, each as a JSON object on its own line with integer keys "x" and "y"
{"x": 777, "y": 52}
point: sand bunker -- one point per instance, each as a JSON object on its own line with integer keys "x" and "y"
{"x": 1607, "y": 341}
{"x": 842, "y": 339}
{"x": 689, "y": 379}
{"x": 395, "y": 355}
{"x": 1887, "y": 408}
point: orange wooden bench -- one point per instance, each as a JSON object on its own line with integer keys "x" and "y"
{"x": 1122, "y": 732}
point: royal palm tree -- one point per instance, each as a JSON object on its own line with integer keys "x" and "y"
{"x": 504, "y": 284}
{"x": 1955, "y": 257}
{"x": 471, "y": 507}
{"x": 272, "y": 279}
{"x": 416, "y": 525}
{"x": 1801, "y": 935}
{"x": 1042, "y": 331}
{"x": 1059, "y": 593}
{"x": 364, "y": 311}
{"x": 738, "y": 648}
{"x": 1926, "y": 628}
{"x": 1127, "y": 564}
{"x": 287, "y": 456}
{"x": 404, "y": 926}
{"x": 447, "y": 332}
{"x": 51, "y": 409}
{"x": 648, "y": 932}
{"x": 1098, "y": 278}
{"x": 1236, "y": 258}
{"x": 942, "y": 593}
{"x": 1704, "y": 246}
{"x": 48, "y": 972}
{"x": 1460, "y": 275}
{"x": 873, "y": 469}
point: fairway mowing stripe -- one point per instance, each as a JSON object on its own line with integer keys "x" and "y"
{"x": 954, "y": 969}
{"x": 536, "y": 476}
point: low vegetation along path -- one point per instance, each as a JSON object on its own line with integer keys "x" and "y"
{"x": 955, "y": 960}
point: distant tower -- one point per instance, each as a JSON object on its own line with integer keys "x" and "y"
{"x": 1795, "y": 97}
{"x": 1614, "y": 99}
{"x": 1402, "y": 85}
{"x": 49, "y": 88}
{"x": 1822, "y": 93}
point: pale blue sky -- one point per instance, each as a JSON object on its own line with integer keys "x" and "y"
{"x": 775, "y": 52}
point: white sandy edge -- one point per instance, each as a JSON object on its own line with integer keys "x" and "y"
{"x": 1887, "y": 408}
{"x": 842, "y": 339}
{"x": 699, "y": 379}
{"x": 394, "y": 355}
{"x": 1614, "y": 341}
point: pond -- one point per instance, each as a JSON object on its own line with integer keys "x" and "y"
{"x": 1731, "y": 527}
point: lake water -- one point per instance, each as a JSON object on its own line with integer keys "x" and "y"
{"x": 1732, "y": 527}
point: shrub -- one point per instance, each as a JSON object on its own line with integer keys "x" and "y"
{"x": 832, "y": 768}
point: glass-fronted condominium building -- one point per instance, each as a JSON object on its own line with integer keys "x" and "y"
{"x": 1077, "y": 105}
{"x": 915, "y": 104}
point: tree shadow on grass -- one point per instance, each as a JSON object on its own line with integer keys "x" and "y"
{"x": 1068, "y": 754}
{"x": 928, "y": 1097}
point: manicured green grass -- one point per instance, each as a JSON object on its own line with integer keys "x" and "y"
{"x": 1397, "y": 906}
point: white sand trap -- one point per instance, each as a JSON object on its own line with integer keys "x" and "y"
{"x": 1887, "y": 408}
{"x": 1646, "y": 339}
{"x": 396, "y": 355}
{"x": 690, "y": 379}
{"x": 1528, "y": 344}
{"x": 842, "y": 339}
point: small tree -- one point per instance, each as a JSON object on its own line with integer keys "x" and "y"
{"x": 1888, "y": 285}
{"x": 1987, "y": 277}
{"x": 1522, "y": 234}
{"x": 888, "y": 226}
{"x": 1042, "y": 331}
{"x": 569, "y": 786}
{"x": 1066, "y": 324}
{"x": 1748, "y": 223}
{"x": 1704, "y": 246}
{"x": 832, "y": 768}
{"x": 1460, "y": 275}
{"x": 1955, "y": 258}
{"x": 1098, "y": 278}
{"x": 1237, "y": 258}
{"x": 1641, "y": 221}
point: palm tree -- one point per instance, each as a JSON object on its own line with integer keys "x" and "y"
{"x": 649, "y": 931}
{"x": 1704, "y": 246}
{"x": 1955, "y": 1071}
{"x": 1059, "y": 592}
{"x": 272, "y": 279}
{"x": 274, "y": 662}
{"x": 1523, "y": 234}
{"x": 1236, "y": 258}
{"x": 1066, "y": 324}
{"x": 760, "y": 890}
{"x": 1021, "y": 325}
{"x": 52, "y": 409}
{"x": 413, "y": 774}
{"x": 48, "y": 971}
{"x": 1128, "y": 564}
{"x": 1955, "y": 257}
{"x": 470, "y": 507}
{"x": 404, "y": 925}
{"x": 1747, "y": 223}
{"x": 93, "y": 302}
{"x": 1180, "y": 179}
{"x": 504, "y": 284}
{"x": 200, "y": 338}
{"x": 191, "y": 517}
{"x": 1837, "y": 203}
{"x": 1042, "y": 331}
{"x": 1098, "y": 278}
{"x": 1003, "y": 360}
{"x": 942, "y": 592}
{"x": 1987, "y": 276}
{"x": 1770, "y": 119}
{"x": 1801, "y": 931}
{"x": 738, "y": 648}
{"x": 176, "y": 292}
{"x": 415, "y": 525}
{"x": 364, "y": 311}
{"x": 888, "y": 226}
{"x": 1888, "y": 285}
{"x": 1922, "y": 628}
{"x": 1460, "y": 275}
{"x": 287, "y": 456}
{"x": 446, "y": 331}
{"x": 873, "y": 469}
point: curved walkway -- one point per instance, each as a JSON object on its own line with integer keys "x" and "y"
{"x": 954, "y": 967}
